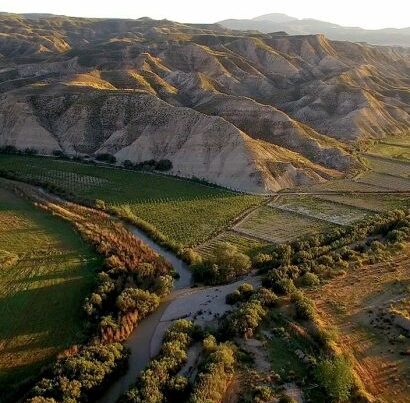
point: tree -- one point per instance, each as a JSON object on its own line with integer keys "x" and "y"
{"x": 163, "y": 165}
{"x": 135, "y": 299}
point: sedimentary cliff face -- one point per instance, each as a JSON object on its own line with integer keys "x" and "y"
{"x": 249, "y": 111}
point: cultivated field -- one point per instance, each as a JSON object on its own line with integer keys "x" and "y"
{"x": 393, "y": 147}
{"x": 185, "y": 212}
{"x": 363, "y": 306}
{"x": 314, "y": 207}
{"x": 245, "y": 244}
{"x": 275, "y": 225}
{"x": 388, "y": 182}
{"x": 46, "y": 271}
{"x": 339, "y": 186}
{"x": 388, "y": 166}
{"x": 378, "y": 202}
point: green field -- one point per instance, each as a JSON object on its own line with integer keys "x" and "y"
{"x": 244, "y": 244}
{"x": 46, "y": 271}
{"x": 275, "y": 225}
{"x": 185, "y": 212}
{"x": 388, "y": 166}
{"x": 388, "y": 182}
{"x": 311, "y": 206}
{"x": 392, "y": 147}
{"x": 378, "y": 202}
{"x": 339, "y": 185}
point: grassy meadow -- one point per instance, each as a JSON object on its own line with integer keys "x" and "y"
{"x": 46, "y": 270}
{"x": 184, "y": 211}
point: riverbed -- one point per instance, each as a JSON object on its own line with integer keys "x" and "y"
{"x": 139, "y": 342}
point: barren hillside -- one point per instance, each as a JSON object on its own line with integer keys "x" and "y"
{"x": 255, "y": 112}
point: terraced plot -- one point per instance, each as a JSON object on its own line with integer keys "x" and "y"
{"x": 388, "y": 166}
{"x": 310, "y": 206}
{"x": 275, "y": 225}
{"x": 393, "y": 147}
{"x": 378, "y": 202}
{"x": 342, "y": 185}
{"x": 185, "y": 212}
{"x": 388, "y": 182}
{"x": 46, "y": 270}
{"x": 244, "y": 243}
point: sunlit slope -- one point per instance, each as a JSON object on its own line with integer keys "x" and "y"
{"x": 146, "y": 89}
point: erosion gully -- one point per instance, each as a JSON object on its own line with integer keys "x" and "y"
{"x": 139, "y": 341}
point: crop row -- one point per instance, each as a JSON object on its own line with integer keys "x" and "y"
{"x": 335, "y": 213}
{"x": 274, "y": 225}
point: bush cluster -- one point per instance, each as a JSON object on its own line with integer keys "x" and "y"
{"x": 335, "y": 375}
{"x": 244, "y": 320}
{"x": 304, "y": 306}
{"x": 226, "y": 265}
{"x": 160, "y": 380}
{"x": 9, "y": 149}
{"x": 131, "y": 283}
{"x": 150, "y": 165}
{"x": 248, "y": 316}
{"x": 106, "y": 157}
{"x": 214, "y": 373}
{"x": 246, "y": 292}
{"x": 325, "y": 255}
{"x": 81, "y": 374}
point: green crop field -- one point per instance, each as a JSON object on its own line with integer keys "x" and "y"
{"x": 388, "y": 166}
{"x": 340, "y": 185}
{"x": 46, "y": 270}
{"x": 244, "y": 244}
{"x": 185, "y": 212}
{"x": 393, "y": 147}
{"x": 377, "y": 203}
{"x": 388, "y": 182}
{"x": 311, "y": 206}
{"x": 275, "y": 225}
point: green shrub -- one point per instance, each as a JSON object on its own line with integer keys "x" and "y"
{"x": 286, "y": 399}
{"x": 163, "y": 165}
{"x": 233, "y": 297}
{"x": 226, "y": 265}
{"x": 309, "y": 279}
{"x": 266, "y": 297}
{"x": 134, "y": 299}
{"x": 106, "y": 157}
{"x": 244, "y": 320}
{"x": 158, "y": 379}
{"x": 215, "y": 372}
{"x": 335, "y": 375}
{"x": 284, "y": 286}
{"x": 305, "y": 309}
{"x": 79, "y": 376}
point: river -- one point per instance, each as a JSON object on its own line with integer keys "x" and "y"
{"x": 139, "y": 341}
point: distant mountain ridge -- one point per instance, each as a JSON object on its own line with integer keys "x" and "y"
{"x": 293, "y": 26}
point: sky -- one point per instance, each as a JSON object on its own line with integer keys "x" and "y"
{"x": 369, "y": 14}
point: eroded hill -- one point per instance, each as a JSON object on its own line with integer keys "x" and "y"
{"x": 248, "y": 111}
